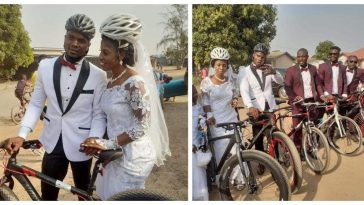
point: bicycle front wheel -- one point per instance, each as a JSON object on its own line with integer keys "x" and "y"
{"x": 252, "y": 185}
{"x": 17, "y": 114}
{"x": 316, "y": 150}
{"x": 345, "y": 136}
{"x": 283, "y": 150}
{"x": 6, "y": 194}
{"x": 140, "y": 195}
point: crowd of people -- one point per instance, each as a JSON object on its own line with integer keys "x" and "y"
{"x": 302, "y": 82}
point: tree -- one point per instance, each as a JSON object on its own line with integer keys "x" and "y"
{"x": 238, "y": 28}
{"x": 175, "y": 39}
{"x": 322, "y": 50}
{"x": 15, "y": 50}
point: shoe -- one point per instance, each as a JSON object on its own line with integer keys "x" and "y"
{"x": 261, "y": 169}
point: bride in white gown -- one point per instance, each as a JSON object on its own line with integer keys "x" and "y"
{"x": 219, "y": 99}
{"x": 130, "y": 102}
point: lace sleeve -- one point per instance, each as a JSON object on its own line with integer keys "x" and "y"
{"x": 140, "y": 106}
{"x": 205, "y": 92}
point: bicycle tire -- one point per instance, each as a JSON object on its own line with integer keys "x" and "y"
{"x": 357, "y": 137}
{"x": 296, "y": 177}
{"x": 140, "y": 195}
{"x": 279, "y": 177}
{"x": 6, "y": 194}
{"x": 15, "y": 111}
{"x": 310, "y": 158}
{"x": 359, "y": 119}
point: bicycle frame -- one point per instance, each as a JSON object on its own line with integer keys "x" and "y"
{"x": 334, "y": 116}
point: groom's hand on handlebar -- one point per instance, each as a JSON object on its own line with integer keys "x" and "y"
{"x": 254, "y": 112}
{"x": 13, "y": 144}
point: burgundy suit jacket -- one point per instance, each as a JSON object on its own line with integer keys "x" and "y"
{"x": 293, "y": 82}
{"x": 325, "y": 74}
{"x": 357, "y": 78}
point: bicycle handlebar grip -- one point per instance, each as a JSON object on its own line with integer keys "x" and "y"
{"x": 32, "y": 144}
{"x": 225, "y": 124}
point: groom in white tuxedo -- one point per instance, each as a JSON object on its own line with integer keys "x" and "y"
{"x": 256, "y": 88}
{"x": 72, "y": 87}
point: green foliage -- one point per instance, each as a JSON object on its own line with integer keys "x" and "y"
{"x": 175, "y": 39}
{"x": 238, "y": 28}
{"x": 322, "y": 50}
{"x": 15, "y": 50}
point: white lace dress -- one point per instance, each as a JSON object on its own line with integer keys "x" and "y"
{"x": 219, "y": 98}
{"x": 128, "y": 110}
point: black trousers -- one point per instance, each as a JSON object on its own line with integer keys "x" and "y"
{"x": 256, "y": 129}
{"x": 55, "y": 165}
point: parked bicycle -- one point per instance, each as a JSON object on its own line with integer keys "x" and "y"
{"x": 343, "y": 133}
{"x": 238, "y": 177}
{"x": 314, "y": 143}
{"x": 14, "y": 169}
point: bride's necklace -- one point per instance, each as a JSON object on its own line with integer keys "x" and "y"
{"x": 119, "y": 76}
{"x": 219, "y": 79}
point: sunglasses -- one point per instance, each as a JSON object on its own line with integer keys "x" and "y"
{"x": 353, "y": 61}
{"x": 334, "y": 53}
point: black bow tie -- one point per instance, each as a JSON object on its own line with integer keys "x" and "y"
{"x": 350, "y": 71}
{"x": 304, "y": 69}
{"x": 334, "y": 64}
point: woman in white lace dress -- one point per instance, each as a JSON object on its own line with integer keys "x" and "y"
{"x": 219, "y": 99}
{"x": 129, "y": 102}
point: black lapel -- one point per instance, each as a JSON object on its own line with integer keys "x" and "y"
{"x": 57, "y": 81}
{"x": 354, "y": 75}
{"x": 81, "y": 81}
{"x": 313, "y": 82}
{"x": 258, "y": 78}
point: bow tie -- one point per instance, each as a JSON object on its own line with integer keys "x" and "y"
{"x": 350, "y": 71}
{"x": 68, "y": 64}
{"x": 256, "y": 67}
{"x": 304, "y": 69}
{"x": 334, "y": 64}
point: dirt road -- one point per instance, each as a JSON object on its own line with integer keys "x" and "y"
{"x": 342, "y": 181}
{"x": 171, "y": 178}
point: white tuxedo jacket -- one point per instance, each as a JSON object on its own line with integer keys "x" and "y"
{"x": 251, "y": 91}
{"x": 82, "y": 117}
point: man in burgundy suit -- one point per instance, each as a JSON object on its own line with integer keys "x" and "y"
{"x": 301, "y": 82}
{"x": 354, "y": 76}
{"x": 333, "y": 76}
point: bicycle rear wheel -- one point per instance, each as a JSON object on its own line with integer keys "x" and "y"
{"x": 359, "y": 119}
{"x": 6, "y": 194}
{"x": 269, "y": 186}
{"x": 316, "y": 149}
{"x": 17, "y": 114}
{"x": 349, "y": 141}
{"x": 283, "y": 150}
{"x": 140, "y": 195}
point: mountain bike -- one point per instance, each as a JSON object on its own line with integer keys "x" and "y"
{"x": 314, "y": 143}
{"x": 238, "y": 177}
{"x": 14, "y": 169}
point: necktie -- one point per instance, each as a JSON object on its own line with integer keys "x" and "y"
{"x": 68, "y": 64}
{"x": 349, "y": 71}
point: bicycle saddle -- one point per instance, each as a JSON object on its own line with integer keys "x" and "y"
{"x": 107, "y": 156}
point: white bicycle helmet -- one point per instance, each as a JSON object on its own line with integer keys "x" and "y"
{"x": 260, "y": 47}
{"x": 219, "y": 54}
{"x": 81, "y": 23}
{"x": 122, "y": 27}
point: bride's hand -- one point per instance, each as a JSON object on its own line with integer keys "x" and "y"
{"x": 92, "y": 146}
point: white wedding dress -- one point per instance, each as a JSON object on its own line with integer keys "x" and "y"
{"x": 127, "y": 108}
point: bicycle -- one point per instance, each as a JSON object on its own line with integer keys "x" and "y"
{"x": 315, "y": 147}
{"x": 21, "y": 173}
{"x": 358, "y": 110}
{"x": 343, "y": 133}
{"x": 239, "y": 179}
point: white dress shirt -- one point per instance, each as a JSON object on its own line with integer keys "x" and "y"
{"x": 335, "y": 76}
{"x": 349, "y": 76}
{"x": 306, "y": 78}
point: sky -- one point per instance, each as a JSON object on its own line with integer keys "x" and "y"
{"x": 45, "y": 23}
{"x": 306, "y": 25}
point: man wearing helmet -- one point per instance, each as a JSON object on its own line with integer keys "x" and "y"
{"x": 256, "y": 87}
{"x": 72, "y": 87}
